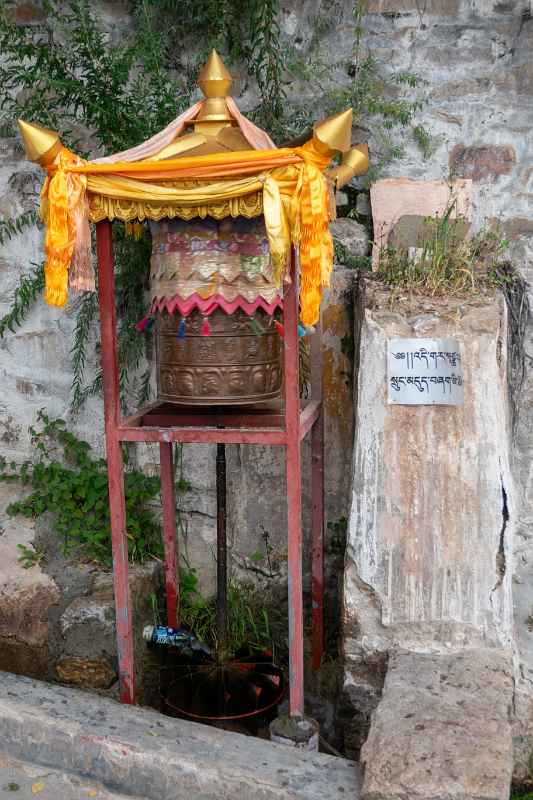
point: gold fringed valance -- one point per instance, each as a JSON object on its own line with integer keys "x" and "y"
{"x": 127, "y": 210}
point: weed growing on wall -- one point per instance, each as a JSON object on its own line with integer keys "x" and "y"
{"x": 69, "y": 482}
{"x": 447, "y": 261}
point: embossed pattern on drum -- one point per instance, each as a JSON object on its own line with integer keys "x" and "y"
{"x": 231, "y": 366}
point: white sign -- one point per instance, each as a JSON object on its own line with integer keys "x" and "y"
{"x": 424, "y": 372}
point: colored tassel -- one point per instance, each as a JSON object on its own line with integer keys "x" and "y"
{"x": 206, "y": 330}
{"x": 280, "y": 329}
{"x": 256, "y": 326}
{"x": 301, "y": 330}
{"x": 145, "y": 324}
{"x": 310, "y": 329}
{"x": 141, "y": 325}
{"x": 181, "y": 329}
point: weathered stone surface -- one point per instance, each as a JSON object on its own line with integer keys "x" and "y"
{"x": 26, "y": 598}
{"x": 431, "y": 528}
{"x": 441, "y": 8}
{"x": 351, "y": 235}
{"x": 85, "y": 673}
{"x": 412, "y": 231}
{"x": 442, "y": 729}
{"x": 483, "y": 163}
{"x": 27, "y": 780}
{"x": 26, "y": 13}
{"x": 140, "y": 752}
{"x": 86, "y": 645}
{"x": 394, "y": 198}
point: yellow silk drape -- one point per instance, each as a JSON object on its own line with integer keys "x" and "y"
{"x": 62, "y": 200}
{"x": 295, "y": 205}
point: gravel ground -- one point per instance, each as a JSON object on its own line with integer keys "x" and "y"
{"x": 22, "y": 781}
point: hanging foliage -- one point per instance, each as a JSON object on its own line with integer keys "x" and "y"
{"x": 107, "y": 90}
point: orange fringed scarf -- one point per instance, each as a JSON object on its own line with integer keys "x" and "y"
{"x": 67, "y": 243}
{"x": 312, "y": 234}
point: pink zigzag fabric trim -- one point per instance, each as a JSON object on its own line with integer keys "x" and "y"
{"x": 206, "y": 307}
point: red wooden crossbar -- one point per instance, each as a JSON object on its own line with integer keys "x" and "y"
{"x": 284, "y": 424}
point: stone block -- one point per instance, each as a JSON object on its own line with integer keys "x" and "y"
{"x": 143, "y": 753}
{"x": 27, "y": 597}
{"x": 483, "y": 163}
{"x": 430, "y": 536}
{"x": 394, "y": 198}
{"x": 456, "y": 89}
{"x": 27, "y": 13}
{"x": 442, "y": 729}
{"x": 85, "y": 673}
{"x": 87, "y": 644}
{"x": 440, "y": 8}
{"x": 351, "y": 235}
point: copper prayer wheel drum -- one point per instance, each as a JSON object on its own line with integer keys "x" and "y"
{"x": 231, "y": 366}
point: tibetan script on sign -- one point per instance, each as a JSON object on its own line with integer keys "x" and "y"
{"x": 424, "y": 372}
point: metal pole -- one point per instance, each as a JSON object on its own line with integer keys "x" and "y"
{"x": 294, "y": 493}
{"x": 317, "y": 504}
{"x": 117, "y": 505}
{"x": 222, "y": 565}
{"x": 168, "y": 495}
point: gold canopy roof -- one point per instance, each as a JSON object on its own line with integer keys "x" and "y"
{"x": 217, "y": 126}
{"x": 210, "y": 160}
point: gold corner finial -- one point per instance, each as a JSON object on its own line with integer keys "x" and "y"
{"x": 214, "y": 79}
{"x": 336, "y": 131}
{"x": 42, "y": 144}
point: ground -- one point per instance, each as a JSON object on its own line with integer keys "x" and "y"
{"x": 20, "y": 780}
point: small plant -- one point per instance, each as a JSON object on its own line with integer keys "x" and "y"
{"x": 448, "y": 262}
{"x": 29, "y": 556}
{"x": 248, "y": 626}
{"x": 344, "y": 257}
{"x": 68, "y": 482}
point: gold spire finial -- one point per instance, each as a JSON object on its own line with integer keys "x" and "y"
{"x": 214, "y": 79}
{"x": 335, "y": 132}
{"x": 215, "y": 82}
{"x": 42, "y": 144}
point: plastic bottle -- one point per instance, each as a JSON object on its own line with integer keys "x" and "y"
{"x": 177, "y": 639}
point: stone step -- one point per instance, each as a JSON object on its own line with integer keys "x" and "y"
{"x": 20, "y": 780}
{"x": 442, "y": 730}
{"x": 138, "y": 751}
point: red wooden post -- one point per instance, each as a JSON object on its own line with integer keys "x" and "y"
{"x": 317, "y": 504}
{"x": 108, "y": 329}
{"x": 294, "y": 494}
{"x": 168, "y": 495}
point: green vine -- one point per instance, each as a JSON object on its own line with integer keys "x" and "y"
{"x": 26, "y": 293}
{"x": 68, "y": 482}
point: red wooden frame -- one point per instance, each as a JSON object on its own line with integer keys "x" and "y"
{"x": 283, "y": 424}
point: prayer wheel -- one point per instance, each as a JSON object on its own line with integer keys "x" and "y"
{"x": 215, "y": 303}
{"x": 233, "y": 365}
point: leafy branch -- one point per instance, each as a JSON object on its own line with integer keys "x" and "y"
{"x": 26, "y": 293}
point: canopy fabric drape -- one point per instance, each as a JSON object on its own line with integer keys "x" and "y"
{"x": 286, "y": 185}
